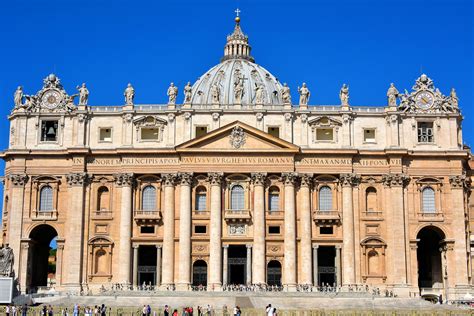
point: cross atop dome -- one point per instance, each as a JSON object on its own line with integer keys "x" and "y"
{"x": 237, "y": 46}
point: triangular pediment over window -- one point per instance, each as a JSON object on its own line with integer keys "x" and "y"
{"x": 237, "y": 137}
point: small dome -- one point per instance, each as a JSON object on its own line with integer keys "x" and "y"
{"x": 227, "y": 73}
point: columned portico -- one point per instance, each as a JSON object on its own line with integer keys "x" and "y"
{"x": 184, "y": 279}
{"x": 258, "y": 251}
{"x": 168, "y": 235}
{"x": 306, "y": 233}
{"x": 289, "y": 262}
{"x": 348, "y": 251}
{"x": 215, "y": 251}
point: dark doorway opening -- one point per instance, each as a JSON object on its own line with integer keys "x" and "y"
{"x": 41, "y": 258}
{"x": 326, "y": 265}
{"x": 146, "y": 265}
{"x": 429, "y": 258}
{"x": 274, "y": 273}
{"x": 237, "y": 264}
{"x": 200, "y": 273}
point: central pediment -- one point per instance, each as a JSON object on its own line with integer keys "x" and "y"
{"x": 237, "y": 137}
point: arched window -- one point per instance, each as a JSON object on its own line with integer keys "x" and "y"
{"x": 237, "y": 198}
{"x": 149, "y": 198}
{"x": 103, "y": 198}
{"x": 201, "y": 199}
{"x": 371, "y": 199}
{"x": 325, "y": 198}
{"x": 274, "y": 199}
{"x": 100, "y": 262}
{"x": 428, "y": 200}
{"x": 46, "y": 198}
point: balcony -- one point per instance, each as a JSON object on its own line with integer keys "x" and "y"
{"x": 327, "y": 217}
{"x": 275, "y": 214}
{"x": 102, "y": 214}
{"x": 372, "y": 215}
{"x": 430, "y": 216}
{"x": 44, "y": 215}
{"x": 200, "y": 214}
{"x": 147, "y": 217}
{"x": 237, "y": 216}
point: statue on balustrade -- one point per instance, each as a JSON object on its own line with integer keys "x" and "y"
{"x": 129, "y": 94}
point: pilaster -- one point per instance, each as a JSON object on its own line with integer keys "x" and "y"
{"x": 184, "y": 279}
{"x": 259, "y": 250}
{"x": 169, "y": 181}
{"x": 305, "y": 229}
{"x": 289, "y": 260}
{"x": 215, "y": 251}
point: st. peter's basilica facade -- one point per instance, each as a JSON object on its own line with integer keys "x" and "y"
{"x": 239, "y": 185}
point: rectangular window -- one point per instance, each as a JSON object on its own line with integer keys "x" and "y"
{"x": 326, "y": 230}
{"x": 274, "y": 229}
{"x": 105, "y": 134}
{"x": 200, "y": 229}
{"x": 369, "y": 135}
{"x": 324, "y": 134}
{"x": 200, "y": 131}
{"x": 425, "y": 132}
{"x": 274, "y": 131}
{"x": 149, "y": 133}
{"x": 49, "y": 131}
{"x": 147, "y": 229}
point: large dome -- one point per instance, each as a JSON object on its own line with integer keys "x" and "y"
{"x": 236, "y": 79}
{"x": 227, "y": 73}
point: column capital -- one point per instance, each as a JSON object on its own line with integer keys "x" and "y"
{"x": 259, "y": 178}
{"x": 76, "y": 179}
{"x": 124, "y": 179}
{"x": 225, "y": 246}
{"x": 338, "y": 246}
{"x": 306, "y": 179}
{"x": 289, "y": 178}
{"x": 135, "y": 246}
{"x": 459, "y": 182}
{"x": 315, "y": 246}
{"x": 215, "y": 178}
{"x": 349, "y": 179}
{"x": 395, "y": 179}
{"x": 18, "y": 180}
{"x": 169, "y": 179}
{"x": 249, "y": 246}
{"x": 186, "y": 178}
{"x": 158, "y": 246}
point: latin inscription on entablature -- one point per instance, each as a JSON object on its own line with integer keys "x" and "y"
{"x": 236, "y": 160}
{"x": 325, "y": 162}
{"x": 134, "y": 161}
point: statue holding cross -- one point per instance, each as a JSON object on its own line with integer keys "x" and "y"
{"x": 238, "y": 88}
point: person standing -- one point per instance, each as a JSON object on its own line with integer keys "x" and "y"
{"x": 269, "y": 310}
{"x": 166, "y": 312}
{"x": 7, "y": 310}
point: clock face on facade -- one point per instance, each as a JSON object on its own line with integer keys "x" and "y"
{"x": 51, "y": 99}
{"x": 424, "y": 100}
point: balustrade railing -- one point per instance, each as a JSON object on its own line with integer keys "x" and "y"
{"x": 44, "y": 215}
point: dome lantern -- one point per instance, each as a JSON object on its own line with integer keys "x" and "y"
{"x": 237, "y": 46}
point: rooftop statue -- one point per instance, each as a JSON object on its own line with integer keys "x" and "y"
{"x": 304, "y": 94}
{"x": 392, "y": 95}
{"x": 18, "y": 97}
{"x": 285, "y": 94}
{"x": 215, "y": 93}
{"x": 238, "y": 89}
{"x": 129, "y": 94}
{"x": 259, "y": 93}
{"x": 344, "y": 95}
{"x": 83, "y": 94}
{"x": 454, "y": 98}
{"x": 6, "y": 261}
{"x": 188, "y": 91}
{"x": 172, "y": 93}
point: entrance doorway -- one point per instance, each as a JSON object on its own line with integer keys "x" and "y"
{"x": 429, "y": 258}
{"x": 41, "y": 258}
{"x": 200, "y": 273}
{"x": 147, "y": 265}
{"x": 237, "y": 264}
{"x": 326, "y": 265}
{"x": 274, "y": 273}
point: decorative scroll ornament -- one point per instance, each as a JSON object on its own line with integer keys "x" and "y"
{"x": 215, "y": 178}
{"x": 259, "y": 178}
{"x": 395, "y": 179}
{"x": 289, "y": 178}
{"x": 350, "y": 179}
{"x": 459, "y": 182}
{"x": 186, "y": 178}
{"x": 306, "y": 179}
{"x": 51, "y": 98}
{"x": 238, "y": 229}
{"x": 74, "y": 179}
{"x": 169, "y": 179}
{"x": 18, "y": 179}
{"x": 237, "y": 137}
{"x": 124, "y": 179}
{"x": 425, "y": 98}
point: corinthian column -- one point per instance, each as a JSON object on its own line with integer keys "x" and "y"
{"x": 75, "y": 230}
{"x": 258, "y": 252}
{"x": 458, "y": 184}
{"x": 17, "y": 184}
{"x": 168, "y": 233}
{"x": 396, "y": 229}
{"x": 289, "y": 261}
{"x": 125, "y": 181}
{"x": 305, "y": 233}
{"x": 184, "y": 279}
{"x": 348, "y": 248}
{"x": 215, "y": 253}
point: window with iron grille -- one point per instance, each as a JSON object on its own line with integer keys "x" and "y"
{"x": 149, "y": 198}
{"x": 428, "y": 200}
{"x": 237, "y": 198}
{"x": 425, "y": 132}
{"x": 201, "y": 199}
{"x": 46, "y": 199}
{"x": 325, "y": 198}
{"x": 274, "y": 199}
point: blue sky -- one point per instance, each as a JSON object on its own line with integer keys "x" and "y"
{"x": 107, "y": 44}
